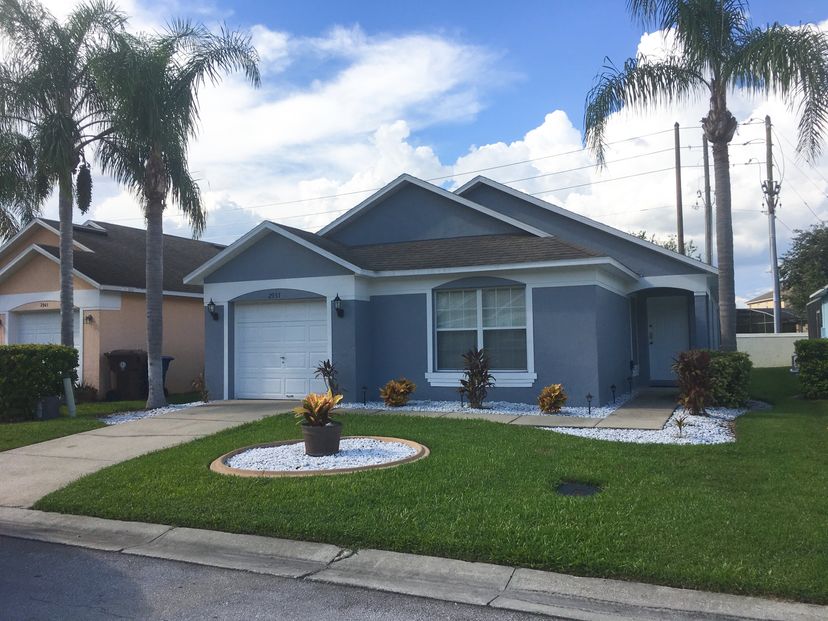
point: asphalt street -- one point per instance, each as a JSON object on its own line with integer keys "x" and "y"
{"x": 50, "y": 581}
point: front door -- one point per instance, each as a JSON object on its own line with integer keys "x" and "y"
{"x": 668, "y": 331}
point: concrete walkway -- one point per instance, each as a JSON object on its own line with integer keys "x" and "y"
{"x": 31, "y": 472}
{"x": 483, "y": 584}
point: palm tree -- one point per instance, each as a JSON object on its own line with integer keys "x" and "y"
{"x": 50, "y": 110}
{"x": 151, "y": 85}
{"x": 717, "y": 49}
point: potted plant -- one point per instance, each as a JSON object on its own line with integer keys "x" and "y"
{"x": 321, "y": 434}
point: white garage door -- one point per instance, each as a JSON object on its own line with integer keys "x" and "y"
{"x": 277, "y": 347}
{"x": 41, "y": 327}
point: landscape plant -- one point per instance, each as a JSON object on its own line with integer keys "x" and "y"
{"x": 199, "y": 386}
{"x": 316, "y": 408}
{"x": 552, "y": 398}
{"x": 477, "y": 378}
{"x": 30, "y": 372}
{"x": 730, "y": 378}
{"x": 150, "y": 86}
{"x": 50, "y": 113}
{"x": 397, "y": 392}
{"x": 812, "y": 358}
{"x": 328, "y": 372}
{"x": 692, "y": 369}
{"x": 715, "y": 50}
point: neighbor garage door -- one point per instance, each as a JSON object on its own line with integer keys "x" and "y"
{"x": 41, "y": 327}
{"x": 277, "y": 348}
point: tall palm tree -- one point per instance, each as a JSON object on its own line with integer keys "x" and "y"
{"x": 151, "y": 85}
{"x": 717, "y": 49}
{"x": 49, "y": 105}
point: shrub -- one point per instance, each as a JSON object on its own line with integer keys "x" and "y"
{"x": 812, "y": 358}
{"x": 552, "y": 398}
{"x": 477, "y": 380}
{"x": 327, "y": 371}
{"x": 693, "y": 370}
{"x": 730, "y": 378}
{"x": 30, "y": 372}
{"x": 316, "y": 408}
{"x": 84, "y": 393}
{"x": 397, "y": 392}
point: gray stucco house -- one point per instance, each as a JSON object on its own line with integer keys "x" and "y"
{"x": 412, "y": 277}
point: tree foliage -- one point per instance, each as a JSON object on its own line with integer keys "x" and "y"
{"x": 804, "y": 268}
{"x": 671, "y": 243}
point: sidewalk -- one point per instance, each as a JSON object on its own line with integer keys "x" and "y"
{"x": 483, "y": 584}
{"x": 31, "y": 472}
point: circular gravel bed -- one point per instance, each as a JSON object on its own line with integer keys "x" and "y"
{"x": 279, "y": 459}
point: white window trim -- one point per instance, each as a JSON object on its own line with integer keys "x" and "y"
{"x": 502, "y": 379}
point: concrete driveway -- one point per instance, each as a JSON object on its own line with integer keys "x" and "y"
{"x": 31, "y": 472}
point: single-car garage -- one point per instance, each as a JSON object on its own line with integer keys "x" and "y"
{"x": 42, "y": 327}
{"x": 277, "y": 347}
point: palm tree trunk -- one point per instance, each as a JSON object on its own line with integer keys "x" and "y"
{"x": 67, "y": 296}
{"x": 724, "y": 247}
{"x": 155, "y": 301}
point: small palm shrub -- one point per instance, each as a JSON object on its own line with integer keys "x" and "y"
{"x": 316, "y": 408}
{"x": 397, "y": 392}
{"x": 85, "y": 393}
{"x": 476, "y": 377}
{"x": 328, "y": 372}
{"x": 199, "y": 385}
{"x": 552, "y": 398}
{"x": 693, "y": 370}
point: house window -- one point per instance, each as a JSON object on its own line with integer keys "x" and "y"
{"x": 493, "y": 319}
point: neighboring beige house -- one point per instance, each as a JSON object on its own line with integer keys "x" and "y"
{"x": 110, "y": 307}
{"x": 764, "y": 300}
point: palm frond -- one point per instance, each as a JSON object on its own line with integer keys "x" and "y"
{"x": 793, "y": 63}
{"x": 637, "y": 85}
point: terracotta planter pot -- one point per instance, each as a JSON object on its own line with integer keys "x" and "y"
{"x": 321, "y": 441}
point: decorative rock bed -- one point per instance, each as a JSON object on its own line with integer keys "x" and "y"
{"x": 492, "y": 407}
{"x": 127, "y": 417}
{"x": 288, "y": 459}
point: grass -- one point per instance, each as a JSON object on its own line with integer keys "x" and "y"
{"x": 13, "y": 435}
{"x": 747, "y": 517}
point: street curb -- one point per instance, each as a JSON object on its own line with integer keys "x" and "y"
{"x": 509, "y": 588}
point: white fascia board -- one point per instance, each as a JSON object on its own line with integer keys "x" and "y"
{"x": 587, "y": 221}
{"x": 180, "y": 294}
{"x": 406, "y": 178}
{"x": 819, "y": 293}
{"x": 23, "y": 256}
{"x": 37, "y": 222}
{"x": 597, "y": 261}
{"x": 196, "y": 277}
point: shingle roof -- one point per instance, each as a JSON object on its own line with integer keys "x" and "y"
{"x": 119, "y": 253}
{"x": 452, "y": 252}
{"x": 764, "y": 297}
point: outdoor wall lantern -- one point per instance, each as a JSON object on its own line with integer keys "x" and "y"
{"x": 89, "y": 320}
{"x": 338, "y": 306}
{"x": 211, "y": 308}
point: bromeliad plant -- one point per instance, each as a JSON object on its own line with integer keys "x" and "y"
{"x": 477, "y": 379}
{"x": 316, "y": 408}
{"x": 397, "y": 392}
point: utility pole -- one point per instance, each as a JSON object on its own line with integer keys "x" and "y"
{"x": 708, "y": 206}
{"x": 771, "y": 190}
{"x": 679, "y": 206}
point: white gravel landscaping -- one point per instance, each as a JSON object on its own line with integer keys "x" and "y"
{"x": 491, "y": 407}
{"x": 126, "y": 417}
{"x": 716, "y": 428}
{"x": 353, "y": 453}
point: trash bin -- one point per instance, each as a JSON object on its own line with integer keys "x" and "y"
{"x": 130, "y": 369}
{"x": 48, "y": 408}
{"x": 165, "y": 366}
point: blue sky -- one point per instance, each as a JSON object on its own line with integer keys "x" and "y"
{"x": 356, "y": 93}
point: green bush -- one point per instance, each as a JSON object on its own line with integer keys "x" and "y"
{"x": 812, "y": 357}
{"x": 730, "y": 378}
{"x": 31, "y": 372}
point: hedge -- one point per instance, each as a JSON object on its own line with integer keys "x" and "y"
{"x": 812, "y": 358}
{"x": 31, "y": 372}
{"x": 730, "y": 378}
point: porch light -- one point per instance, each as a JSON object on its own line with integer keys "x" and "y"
{"x": 89, "y": 320}
{"x": 211, "y": 308}
{"x": 338, "y": 306}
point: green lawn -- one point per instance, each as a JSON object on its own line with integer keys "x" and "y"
{"x": 748, "y": 517}
{"x": 13, "y": 435}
